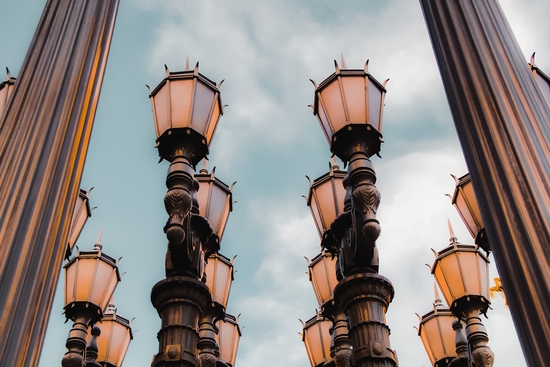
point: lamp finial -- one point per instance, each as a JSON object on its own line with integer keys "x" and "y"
{"x": 97, "y": 245}
{"x": 451, "y": 233}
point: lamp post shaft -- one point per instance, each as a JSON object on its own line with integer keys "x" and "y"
{"x": 179, "y": 301}
{"x": 365, "y": 298}
{"x": 44, "y": 137}
{"x": 503, "y": 123}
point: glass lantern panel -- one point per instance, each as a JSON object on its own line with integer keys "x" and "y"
{"x": 323, "y": 120}
{"x": 483, "y": 268}
{"x": 161, "y": 107}
{"x": 323, "y": 278}
{"x": 202, "y": 107}
{"x": 118, "y": 344}
{"x": 317, "y": 340}
{"x": 441, "y": 282}
{"x": 316, "y": 216}
{"x": 375, "y": 105}
{"x": 84, "y": 278}
{"x": 470, "y": 272}
{"x": 79, "y": 218}
{"x": 70, "y": 274}
{"x": 332, "y": 101}
{"x": 431, "y": 339}
{"x": 181, "y": 99}
{"x": 213, "y": 121}
{"x": 104, "y": 284}
{"x": 470, "y": 197}
{"x": 356, "y": 98}
{"x": 452, "y": 275}
{"x": 218, "y": 279}
{"x": 327, "y": 201}
{"x": 228, "y": 341}
{"x": 218, "y": 209}
{"x": 466, "y": 215}
{"x": 5, "y": 94}
{"x": 103, "y": 339}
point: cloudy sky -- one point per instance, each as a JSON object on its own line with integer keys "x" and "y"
{"x": 267, "y": 141}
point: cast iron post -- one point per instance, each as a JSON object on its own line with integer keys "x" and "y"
{"x": 44, "y": 139}
{"x": 503, "y": 123}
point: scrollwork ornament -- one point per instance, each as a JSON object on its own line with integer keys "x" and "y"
{"x": 207, "y": 360}
{"x": 342, "y": 358}
{"x": 366, "y": 199}
{"x": 177, "y": 202}
{"x": 72, "y": 359}
{"x": 483, "y": 356}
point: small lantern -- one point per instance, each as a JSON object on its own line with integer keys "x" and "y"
{"x": 82, "y": 211}
{"x": 317, "y": 339}
{"x": 115, "y": 338}
{"x": 349, "y": 106}
{"x": 543, "y": 80}
{"x": 326, "y": 198}
{"x": 462, "y": 274}
{"x": 464, "y": 200}
{"x": 215, "y": 200}
{"x": 90, "y": 280}
{"x": 228, "y": 337}
{"x": 6, "y": 89}
{"x": 186, "y": 104}
{"x": 437, "y": 335}
{"x": 322, "y": 274}
{"x": 219, "y": 275}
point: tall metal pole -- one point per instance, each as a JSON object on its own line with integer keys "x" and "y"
{"x": 503, "y": 123}
{"x": 44, "y": 138}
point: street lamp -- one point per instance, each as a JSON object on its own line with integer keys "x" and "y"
{"x": 90, "y": 280}
{"x": 317, "y": 339}
{"x": 228, "y": 337}
{"x": 349, "y": 108}
{"x": 115, "y": 338}
{"x": 82, "y": 211}
{"x": 186, "y": 109}
{"x": 435, "y": 332}
{"x": 465, "y": 202}
{"x": 462, "y": 274}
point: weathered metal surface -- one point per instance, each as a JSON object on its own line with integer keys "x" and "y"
{"x": 44, "y": 139}
{"x": 503, "y": 124}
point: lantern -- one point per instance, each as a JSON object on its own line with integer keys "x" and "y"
{"x": 186, "y": 109}
{"x": 228, "y": 337}
{"x": 90, "y": 280}
{"x": 114, "y": 340}
{"x": 219, "y": 275}
{"x": 82, "y": 211}
{"x": 215, "y": 200}
{"x": 462, "y": 274}
{"x": 6, "y": 89}
{"x": 326, "y": 198}
{"x": 317, "y": 339}
{"x": 349, "y": 107}
{"x": 464, "y": 200}
{"x": 543, "y": 80}
{"x": 437, "y": 335}
{"x": 322, "y": 274}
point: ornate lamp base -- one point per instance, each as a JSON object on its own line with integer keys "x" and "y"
{"x": 179, "y": 301}
{"x": 365, "y": 298}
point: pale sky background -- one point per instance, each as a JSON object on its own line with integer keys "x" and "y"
{"x": 267, "y": 140}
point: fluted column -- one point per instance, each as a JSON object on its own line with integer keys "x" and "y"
{"x": 365, "y": 298}
{"x": 503, "y": 123}
{"x": 44, "y": 139}
{"x": 180, "y": 302}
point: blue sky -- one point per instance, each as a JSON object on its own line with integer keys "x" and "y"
{"x": 267, "y": 141}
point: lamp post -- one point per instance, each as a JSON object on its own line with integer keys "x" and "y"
{"x": 90, "y": 280}
{"x": 186, "y": 109}
{"x": 349, "y": 107}
{"x": 462, "y": 274}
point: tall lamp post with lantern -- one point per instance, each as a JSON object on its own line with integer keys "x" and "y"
{"x": 186, "y": 109}
{"x": 349, "y": 106}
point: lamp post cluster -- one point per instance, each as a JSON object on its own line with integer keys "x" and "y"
{"x": 462, "y": 273}
{"x": 192, "y": 299}
{"x": 90, "y": 281}
{"x": 349, "y": 106}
